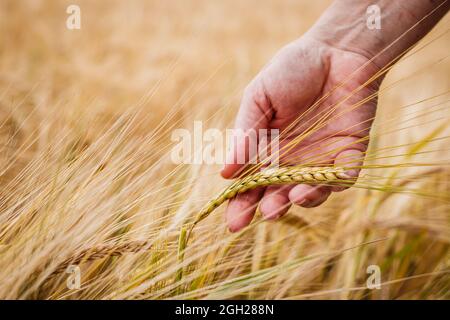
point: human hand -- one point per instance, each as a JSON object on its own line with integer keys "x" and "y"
{"x": 287, "y": 94}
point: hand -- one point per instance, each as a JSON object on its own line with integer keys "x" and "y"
{"x": 287, "y": 88}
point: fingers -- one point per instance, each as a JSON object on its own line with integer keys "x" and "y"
{"x": 275, "y": 202}
{"x": 254, "y": 114}
{"x": 240, "y": 210}
{"x": 312, "y": 196}
{"x": 309, "y": 196}
{"x": 351, "y": 159}
{"x": 234, "y": 167}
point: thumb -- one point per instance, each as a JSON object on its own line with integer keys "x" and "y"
{"x": 254, "y": 114}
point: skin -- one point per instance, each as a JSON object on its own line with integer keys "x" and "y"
{"x": 336, "y": 64}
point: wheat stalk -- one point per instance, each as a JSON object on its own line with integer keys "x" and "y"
{"x": 278, "y": 176}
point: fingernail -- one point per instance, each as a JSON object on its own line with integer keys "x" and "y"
{"x": 303, "y": 203}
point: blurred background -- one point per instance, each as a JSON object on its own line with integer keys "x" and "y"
{"x": 172, "y": 62}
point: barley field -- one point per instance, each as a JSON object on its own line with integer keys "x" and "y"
{"x": 87, "y": 181}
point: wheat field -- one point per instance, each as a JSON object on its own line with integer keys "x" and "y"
{"x": 86, "y": 178}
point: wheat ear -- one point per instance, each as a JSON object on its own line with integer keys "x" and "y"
{"x": 285, "y": 175}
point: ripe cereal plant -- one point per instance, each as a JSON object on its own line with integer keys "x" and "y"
{"x": 86, "y": 176}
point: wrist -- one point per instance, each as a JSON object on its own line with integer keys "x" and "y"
{"x": 346, "y": 29}
{"x": 344, "y": 26}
